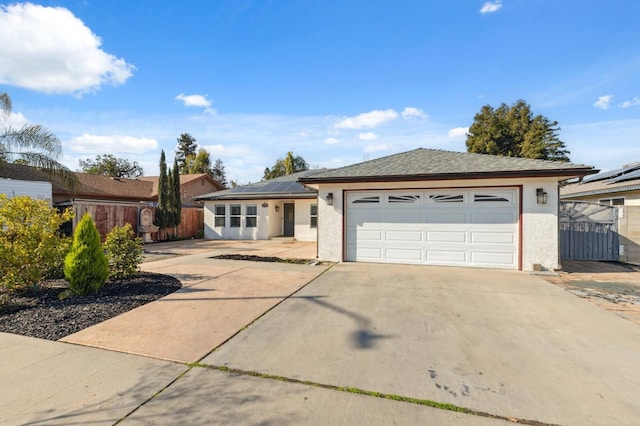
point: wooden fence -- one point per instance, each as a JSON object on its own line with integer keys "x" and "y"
{"x": 108, "y": 216}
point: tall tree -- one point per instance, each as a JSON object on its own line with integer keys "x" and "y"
{"x": 199, "y": 163}
{"x": 109, "y": 165}
{"x": 176, "y": 200}
{"x": 163, "y": 218}
{"x": 285, "y": 166}
{"x": 33, "y": 145}
{"x": 514, "y": 131}
{"x": 219, "y": 174}
{"x": 187, "y": 146}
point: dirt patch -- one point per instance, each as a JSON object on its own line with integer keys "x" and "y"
{"x": 254, "y": 258}
{"x": 610, "y": 285}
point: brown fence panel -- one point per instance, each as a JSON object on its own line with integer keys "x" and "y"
{"x": 191, "y": 225}
{"x": 108, "y": 216}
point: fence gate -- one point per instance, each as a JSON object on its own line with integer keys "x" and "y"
{"x": 588, "y": 231}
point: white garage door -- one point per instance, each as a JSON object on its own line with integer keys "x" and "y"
{"x": 462, "y": 227}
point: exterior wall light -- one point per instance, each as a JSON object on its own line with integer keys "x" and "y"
{"x": 329, "y": 199}
{"x": 277, "y": 209}
{"x": 541, "y": 196}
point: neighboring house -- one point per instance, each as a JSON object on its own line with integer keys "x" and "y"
{"x": 272, "y": 208}
{"x": 620, "y": 188}
{"x": 191, "y": 186}
{"x": 34, "y": 189}
{"x": 116, "y": 201}
{"x": 442, "y": 208}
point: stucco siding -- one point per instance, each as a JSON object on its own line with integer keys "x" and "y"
{"x": 242, "y": 232}
{"x": 303, "y": 230}
{"x": 269, "y": 221}
{"x": 539, "y": 222}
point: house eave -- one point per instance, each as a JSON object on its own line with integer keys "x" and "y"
{"x": 247, "y": 197}
{"x": 603, "y": 191}
{"x": 564, "y": 173}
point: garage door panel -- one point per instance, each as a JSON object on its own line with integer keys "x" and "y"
{"x": 493, "y": 237}
{"x": 403, "y": 217}
{"x": 446, "y": 237}
{"x": 493, "y": 217}
{"x": 493, "y": 259}
{"x": 447, "y": 256}
{"x": 446, "y": 217}
{"x": 414, "y": 255}
{"x": 404, "y": 236}
{"x": 369, "y": 253}
{"x": 465, "y": 227}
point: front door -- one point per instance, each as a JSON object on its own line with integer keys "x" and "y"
{"x": 289, "y": 219}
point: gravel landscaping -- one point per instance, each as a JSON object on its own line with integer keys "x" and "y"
{"x": 42, "y": 314}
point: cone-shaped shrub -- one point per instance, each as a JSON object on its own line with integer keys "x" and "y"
{"x": 86, "y": 267}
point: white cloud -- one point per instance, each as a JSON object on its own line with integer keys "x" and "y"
{"x": 603, "y": 102}
{"x": 331, "y": 141}
{"x": 370, "y": 136}
{"x": 458, "y": 132}
{"x": 367, "y": 119}
{"x": 15, "y": 120}
{"x": 376, "y": 147}
{"x": 196, "y": 101}
{"x": 410, "y": 112}
{"x": 633, "y": 102}
{"x": 91, "y": 144}
{"x": 490, "y": 7}
{"x": 49, "y": 50}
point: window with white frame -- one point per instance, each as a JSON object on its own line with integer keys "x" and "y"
{"x": 251, "y": 215}
{"x": 313, "y": 216}
{"x": 618, "y": 201}
{"x": 234, "y": 217}
{"x": 221, "y": 215}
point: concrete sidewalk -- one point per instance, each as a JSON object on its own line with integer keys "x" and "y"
{"x": 218, "y": 298}
{"x": 55, "y": 383}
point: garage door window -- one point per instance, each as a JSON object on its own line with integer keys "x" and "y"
{"x": 482, "y": 198}
{"x": 403, "y": 199}
{"x": 367, "y": 200}
{"x": 447, "y": 198}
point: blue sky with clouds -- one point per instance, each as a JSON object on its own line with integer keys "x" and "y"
{"x": 337, "y": 82}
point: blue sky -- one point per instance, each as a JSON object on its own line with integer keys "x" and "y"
{"x": 336, "y": 82}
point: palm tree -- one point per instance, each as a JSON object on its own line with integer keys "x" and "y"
{"x": 32, "y": 145}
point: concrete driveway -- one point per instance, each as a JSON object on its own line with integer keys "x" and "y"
{"x": 497, "y": 342}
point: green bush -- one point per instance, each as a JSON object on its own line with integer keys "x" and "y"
{"x": 31, "y": 246}
{"x": 86, "y": 267}
{"x": 124, "y": 252}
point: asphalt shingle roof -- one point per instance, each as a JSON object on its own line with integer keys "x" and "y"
{"x": 280, "y": 187}
{"x": 424, "y": 163}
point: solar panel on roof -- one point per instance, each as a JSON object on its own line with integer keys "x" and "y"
{"x": 627, "y": 176}
{"x": 612, "y": 173}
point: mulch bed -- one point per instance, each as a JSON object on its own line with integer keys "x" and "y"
{"x": 41, "y": 313}
{"x": 254, "y": 258}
